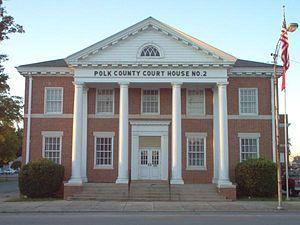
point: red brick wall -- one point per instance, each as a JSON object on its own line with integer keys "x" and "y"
{"x": 264, "y": 127}
{"x": 38, "y": 91}
{"x": 102, "y": 125}
{"x": 264, "y": 93}
{"x": 188, "y": 125}
{"x": 39, "y": 125}
{"x": 196, "y": 176}
{"x": 47, "y": 124}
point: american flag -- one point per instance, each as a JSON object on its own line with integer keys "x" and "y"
{"x": 284, "y": 54}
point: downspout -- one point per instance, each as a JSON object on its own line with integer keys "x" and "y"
{"x": 273, "y": 121}
{"x": 28, "y": 120}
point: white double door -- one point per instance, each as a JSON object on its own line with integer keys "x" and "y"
{"x": 149, "y": 163}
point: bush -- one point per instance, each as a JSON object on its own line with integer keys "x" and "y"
{"x": 41, "y": 178}
{"x": 256, "y": 178}
{"x": 16, "y": 165}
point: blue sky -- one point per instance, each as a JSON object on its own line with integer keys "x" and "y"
{"x": 245, "y": 29}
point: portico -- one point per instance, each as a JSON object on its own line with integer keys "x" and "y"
{"x": 151, "y": 128}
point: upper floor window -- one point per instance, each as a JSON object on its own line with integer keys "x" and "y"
{"x": 150, "y": 101}
{"x": 249, "y": 146}
{"x": 195, "y": 102}
{"x": 105, "y": 101}
{"x": 150, "y": 51}
{"x": 248, "y": 101}
{"x": 53, "y": 100}
{"x": 52, "y": 145}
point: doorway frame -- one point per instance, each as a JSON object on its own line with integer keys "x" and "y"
{"x": 149, "y": 128}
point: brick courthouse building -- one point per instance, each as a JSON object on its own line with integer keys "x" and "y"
{"x": 148, "y": 103}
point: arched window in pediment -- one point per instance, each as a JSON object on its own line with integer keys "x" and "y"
{"x": 150, "y": 51}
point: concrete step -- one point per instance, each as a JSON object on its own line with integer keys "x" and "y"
{"x": 80, "y": 198}
{"x": 148, "y": 191}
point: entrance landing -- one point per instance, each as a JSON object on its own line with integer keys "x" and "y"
{"x": 149, "y": 191}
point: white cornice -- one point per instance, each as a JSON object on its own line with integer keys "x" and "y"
{"x": 155, "y": 65}
{"x": 252, "y": 71}
{"x": 45, "y": 71}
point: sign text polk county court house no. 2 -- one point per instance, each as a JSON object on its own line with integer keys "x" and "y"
{"x": 150, "y": 73}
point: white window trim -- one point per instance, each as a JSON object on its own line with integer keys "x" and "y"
{"x": 138, "y": 56}
{"x": 250, "y": 136}
{"x": 195, "y": 135}
{"x": 104, "y": 135}
{"x": 52, "y": 134}
{"x": 142, "y": 95}
{"x": 188, "y": 113}
{"x": 240, "y": 109}
{"x": 45, "y": 100}
{"x": 113, "y": 106}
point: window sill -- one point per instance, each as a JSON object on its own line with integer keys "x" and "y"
{"x": 200, "y": 116}
{"x": 248, "y": 114}
{"x": 150, "y": 114}
{"x": 103, "y": 167}
{"x": 196, "y": 168}
{"x": 53, "y": 113}
{"x": 104, "y": 114}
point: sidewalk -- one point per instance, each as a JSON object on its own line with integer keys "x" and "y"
{"x": 62, "y": 206}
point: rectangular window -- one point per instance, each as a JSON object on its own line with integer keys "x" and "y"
{"x": 53, "y": 100}
{"x": 150, "y": 101}
{"x": 195, "y": 102}
{"x": 105, "y": 101}
{"x": 248, "y": 101}
{"x": 52, "y": 145}
{"x": 104, "y": 149}
{"x": 249, "y": 146}
{"x": 196, "y": 151}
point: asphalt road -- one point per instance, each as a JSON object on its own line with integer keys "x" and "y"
{"x": 224, "y": 218}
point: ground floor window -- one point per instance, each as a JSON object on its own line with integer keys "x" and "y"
{"x": 196, "y": 151}
{"x": 52, "y": 145}
{"x": 249, "y": 146}
{"x": 104, "y": 149}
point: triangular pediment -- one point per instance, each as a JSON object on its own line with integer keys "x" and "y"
{"x": 174, "y": 45}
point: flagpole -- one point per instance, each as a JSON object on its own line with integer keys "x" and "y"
{"x": 285, "y": 60}
{"x": 286, "y": 147}
{"x": 276, "y": 109}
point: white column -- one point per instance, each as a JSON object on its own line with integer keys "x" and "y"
{"x": 223, "y": 135}
{"x": 123, "y": 135}
{"x": 176, "y": 134}
{"x": 27, "y": 155}
{"x": 84, "y": 134}
{"x": 216, "y": 137}
{"x": 77, "y": 135}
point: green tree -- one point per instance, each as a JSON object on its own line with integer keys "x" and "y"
{"x": 10, "y": 106}
{"x": 9, "y": 144}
